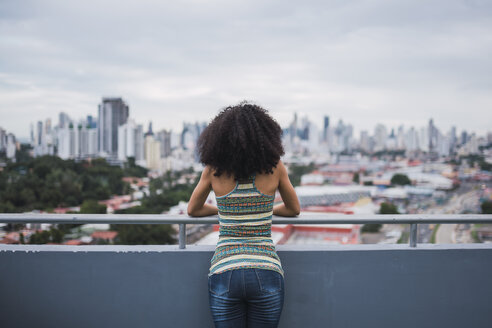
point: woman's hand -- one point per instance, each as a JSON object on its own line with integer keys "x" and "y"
{"x": 291, "y": 206}
{"x": 196, "y": 205}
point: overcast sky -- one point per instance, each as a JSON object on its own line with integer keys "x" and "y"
{"x": 365, "y": 62}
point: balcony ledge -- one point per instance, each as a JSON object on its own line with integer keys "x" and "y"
{"x": 382, "y": 285}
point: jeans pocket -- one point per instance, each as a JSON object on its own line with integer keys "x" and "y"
{"x": 270, "y": 281}
{"x": 218, "y": 283}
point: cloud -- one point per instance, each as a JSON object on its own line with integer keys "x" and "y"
{"x": 361, "y": 61}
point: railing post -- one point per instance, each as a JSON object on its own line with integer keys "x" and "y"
{"x": 182, "y": 235}
{"x": 413, "y": 235}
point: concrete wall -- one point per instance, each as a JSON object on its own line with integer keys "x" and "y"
{"x": 326, "y": 286}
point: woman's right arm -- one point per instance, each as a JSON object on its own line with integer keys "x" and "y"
{"x": 290, "y": 206}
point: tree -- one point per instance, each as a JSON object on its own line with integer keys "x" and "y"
{"x": 371, "y": 227}
{"x": 22, "y": 155}
{"x": 297, "y": 171}
{"x": 388, "y": 208}
{"x": 144, "y": 234}
{"x": 91, "y": 206}
{"x": 400, "y": 179}
{"x": 54, "y": 235}
{"x": 46, "y": 182}
{"x": 131, "y": 169}
{"x": 486, "y": 207}
{"x": 356, "y": 177}
{"x": 42, "y": 237}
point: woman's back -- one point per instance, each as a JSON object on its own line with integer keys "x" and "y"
{"x": 245, "y": 218}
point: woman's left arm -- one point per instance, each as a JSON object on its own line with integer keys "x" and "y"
{"x": 196, "y": 205}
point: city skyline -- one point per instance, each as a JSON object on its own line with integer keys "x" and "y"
{"x": 319, "y": 123}
{"x": 364, "y": 62}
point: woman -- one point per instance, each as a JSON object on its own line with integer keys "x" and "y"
{"x": 241, "y": 151}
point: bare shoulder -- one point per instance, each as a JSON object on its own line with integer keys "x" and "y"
{"x": 280, "y": 169}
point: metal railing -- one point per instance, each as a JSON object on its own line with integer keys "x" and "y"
{"x": 304, "y": 218}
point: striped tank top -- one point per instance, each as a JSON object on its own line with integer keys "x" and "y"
{"x": 245, "y": 218}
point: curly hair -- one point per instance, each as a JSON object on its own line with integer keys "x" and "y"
{"x": 241, "y": 140}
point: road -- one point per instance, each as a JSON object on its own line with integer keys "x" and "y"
{"x": 464, "y": 200}
{"x": 446, "y": 234}
{"x": 467, "y": 202}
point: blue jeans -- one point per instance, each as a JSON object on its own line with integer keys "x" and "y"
{"x": 243, "y": 298}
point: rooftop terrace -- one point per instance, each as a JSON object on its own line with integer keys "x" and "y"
{"x": 424, "y": 285}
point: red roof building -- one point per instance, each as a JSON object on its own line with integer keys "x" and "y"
{"x": 105, "y": 235}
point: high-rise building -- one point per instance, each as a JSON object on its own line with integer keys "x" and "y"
{"x": 391, "y": 141}
{"x": 11, "y": 146}
{"x": 424, "y": 139}
{"x": 149, "y": 131}
{"x": 8, "y": 144}
{"x": 31, "y": 135}
{"x": 91, "y": 122}
{"x": 87, "y": 140}
{"x": 39, "y": 133}
{"x": 77, "y": 141}
{"x": 453, "y": 139}
{"x": 365, "y": 144}
{"x": 63, "y": 120}
{"x": 152, "y": 153}
{"x": 400, "y": 138}
{"x": 113, "y": 112}
{"x": 464, "y": 137}
{"x": 433, "y": 136}
{"x": 64, "y": 143}
{"x": 164, "y": 137}
{"x": 474, "y": 144}
{"x": 380, "y": 136}
{"x": 304, "y": 128}
{"x": 47, "y": 126}
{"x": 411, "y": 140}
{"x": 443, "y": 145}
{"x": 190, "y": 134}
{"x": 326, "y": 126}
{"x": 3, "y": 140}
{"x": 293, "y": 129}
{"x": 130, "y": 141}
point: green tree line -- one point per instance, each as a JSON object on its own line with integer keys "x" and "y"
{"x": 46, "y": 182}
{"x": 165, "y": 191}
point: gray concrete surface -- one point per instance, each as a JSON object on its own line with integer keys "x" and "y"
{"x": 326, "y": 286}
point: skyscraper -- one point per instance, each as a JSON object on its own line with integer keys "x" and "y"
{"x": 11, "y": 146}
{"x": 326, "y": 126}
{"x": 39, "y": 133}
{"x": 63, "y": 120}
{"x": 293, "y": 129}
{"x": 113, "y": 112}
{"x": 130, "y": 141}
{"x": 453, "y": 139}
{"x": 3, "y": 140}
{"x": 433, "y": 135}
{"x": 380, "y": 137}
{"x": 152, "y": 153}
{"x": 364, "y": 141}
{"x": 91, "y": 122}
{"x": 164, "y": 137}
{"x": 149, "y": 132}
